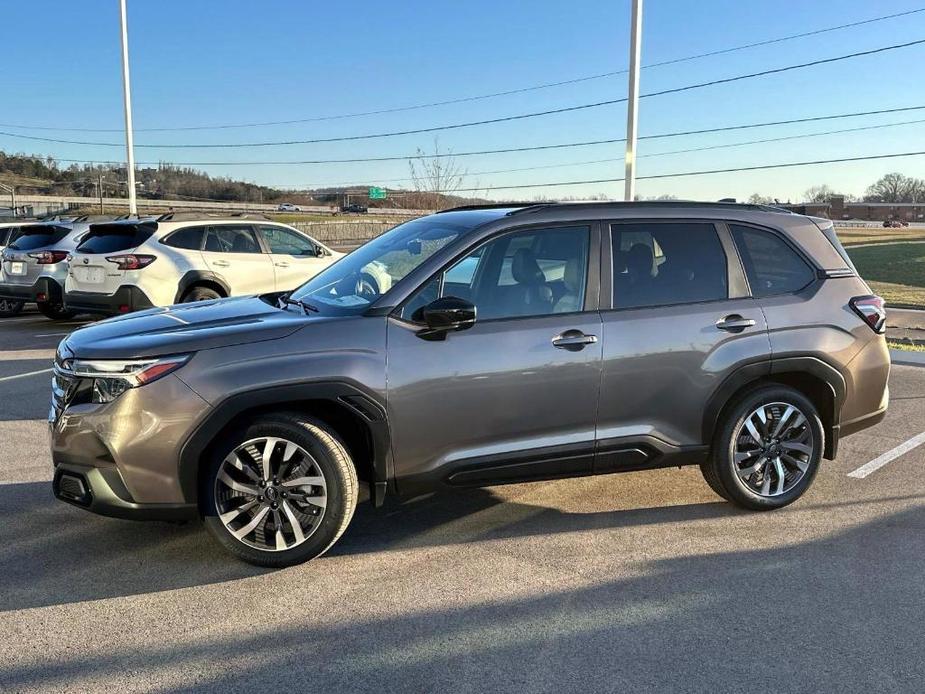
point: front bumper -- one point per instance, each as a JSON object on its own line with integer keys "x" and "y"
{"x": 126, "y": 299}
{"x": 45, "y": 290}
{"x": 102, "y": 491}
{"x": 125, "y": 453}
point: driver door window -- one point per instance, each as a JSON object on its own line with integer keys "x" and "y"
{"x": 529, "y": 273}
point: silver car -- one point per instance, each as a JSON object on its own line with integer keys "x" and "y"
{"x": 33, "y": 266}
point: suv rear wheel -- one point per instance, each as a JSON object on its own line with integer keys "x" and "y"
{"x": 767, "y": 449}
{"x": 199, "y": 294}
{"x": 281, "y": 492}
{"x": 55, "y": 311}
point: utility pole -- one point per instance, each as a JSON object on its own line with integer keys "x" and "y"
{"x": 127, "y": 95}
{"x": 100, "y": 189}
{"x": 632, "y": 103}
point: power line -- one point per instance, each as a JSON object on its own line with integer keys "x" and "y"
{"x": 662, "y": 154}
{"x": 509, "y": 150}
{"x": 489, "y": 121}
{"x": 520, "y": 90}
{"x": 689, "y": 173}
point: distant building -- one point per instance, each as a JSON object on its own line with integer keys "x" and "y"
{"x": 838, "y": 208}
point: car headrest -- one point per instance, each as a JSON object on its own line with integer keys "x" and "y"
{"x": 640, "y": 260}
{"x": 525, "y": 268}
{"x": 572, "y": 274}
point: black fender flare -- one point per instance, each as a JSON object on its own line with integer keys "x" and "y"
{"x": 363, "y": 404}
{"x": 193, "y": 276}
{"x": 767, "y": 369}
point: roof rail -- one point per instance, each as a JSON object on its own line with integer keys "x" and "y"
{"x": 197, "y": 216}
{"x": 487, "y": 206}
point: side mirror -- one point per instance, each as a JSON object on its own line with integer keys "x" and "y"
{"x": 444, "y": 315}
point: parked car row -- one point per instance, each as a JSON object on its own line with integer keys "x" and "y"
{"x": 111, "y": 266}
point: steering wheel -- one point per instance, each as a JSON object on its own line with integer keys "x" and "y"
{"x": 367, "y": 286}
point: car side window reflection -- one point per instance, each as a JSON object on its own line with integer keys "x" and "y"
{"x": 529, "y": 273}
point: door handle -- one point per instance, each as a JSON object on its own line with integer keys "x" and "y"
{"x": 734, "y": 323}
{"x": 221, "y": 263}
{"x": 573, "y": 340}
{"x": 281, "y": 264}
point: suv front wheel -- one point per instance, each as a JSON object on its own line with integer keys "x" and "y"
{"x": 767, "y": 449}
{"x": 280, "y": 492}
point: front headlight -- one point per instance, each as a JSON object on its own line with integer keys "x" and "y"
{"x": 111, "y": 378}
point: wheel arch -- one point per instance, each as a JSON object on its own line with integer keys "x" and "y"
{"x": 201, "y": 278}
{"x": 353, "y": 415}
{"x": 819, "y": 381}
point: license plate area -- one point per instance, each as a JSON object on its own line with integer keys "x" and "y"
{"x": 89, "y": 275}
{"x": 18, "y": 268}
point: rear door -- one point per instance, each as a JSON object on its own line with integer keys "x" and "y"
{"x": 295, "y": 257}
{"x": 679, "y": 321}
{"x": 233, "y": 252}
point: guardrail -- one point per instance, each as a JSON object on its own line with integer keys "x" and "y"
{"x": 347, "y": 233}
{"x": 65, "y": 201}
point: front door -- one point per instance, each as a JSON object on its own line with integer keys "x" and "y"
{"x": 295, "y": 258}
{"x": 515, "y": 396}
{"x": 680, "y": 322}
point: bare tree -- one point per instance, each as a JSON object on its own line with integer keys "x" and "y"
{"x": 757, "y": 199}
{"x": 436, "y": 176}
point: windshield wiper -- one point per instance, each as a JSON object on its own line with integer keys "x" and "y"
{"x": 304, "y": 305}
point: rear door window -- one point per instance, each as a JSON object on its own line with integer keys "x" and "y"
{"x": 39, "y": 236}
{"x": 114, "y": 238}
{"x": 237, "y": 238}
{"x": 771, "y": 265}
{"x": 190, "y": 238}
{"x": 666, "y": 264}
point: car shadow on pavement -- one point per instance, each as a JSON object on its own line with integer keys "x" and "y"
{"x": 53, "y": 553}
{"x": 838, "y": 613}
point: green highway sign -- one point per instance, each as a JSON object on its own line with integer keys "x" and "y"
{"x": 377, "y": 193}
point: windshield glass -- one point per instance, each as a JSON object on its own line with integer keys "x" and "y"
{"x": 353, "y": 283}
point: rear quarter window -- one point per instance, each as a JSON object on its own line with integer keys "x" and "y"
{"x": 114, "y": 238}
{"x": 33, "y": 237}
{"x": 771, "y": 265}
{"x": 189, "y": 238}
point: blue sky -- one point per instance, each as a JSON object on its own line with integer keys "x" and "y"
{"x": 205, "y": 63}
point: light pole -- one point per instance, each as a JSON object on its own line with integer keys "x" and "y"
{"x": 127, "y": 94}
{"x": 632, "y": 102}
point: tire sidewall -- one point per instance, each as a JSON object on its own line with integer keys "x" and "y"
{"x": 200, "y": 294}
{"x": 725, "y": 447}
{"x": 337, "y": 504}
{"x": 54, "y": 311}
{"x": 10, "y": 308}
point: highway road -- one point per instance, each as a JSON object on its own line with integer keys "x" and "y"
{"x": 635, "y": 582}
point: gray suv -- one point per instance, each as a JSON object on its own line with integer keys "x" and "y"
{"x": 515, "y": 343}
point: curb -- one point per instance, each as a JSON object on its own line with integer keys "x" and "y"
{"x": 904, "y": 358}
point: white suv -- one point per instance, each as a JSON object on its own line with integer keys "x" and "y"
{"x": 130, "y": 265}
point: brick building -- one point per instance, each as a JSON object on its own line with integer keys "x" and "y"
{"x": 838, "y": 208}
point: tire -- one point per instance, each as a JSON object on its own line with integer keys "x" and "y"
{"x": 199, "y": 294}
{"x": 317, "y": 455}
{"x": 745, "y": 469}
{"x": 10, "y": 308}
{"x": 54, "y": 311}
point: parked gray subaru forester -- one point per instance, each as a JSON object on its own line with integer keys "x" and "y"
{"x": 525, "y": 342}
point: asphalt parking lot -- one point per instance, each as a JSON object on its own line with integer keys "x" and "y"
{"x": 635, "y": 582}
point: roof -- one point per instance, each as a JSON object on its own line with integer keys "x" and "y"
{"x": 526, "y": 207}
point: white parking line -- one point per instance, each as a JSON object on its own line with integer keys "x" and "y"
{"x": 888, "y": 457}
{"x": 51, "y": 334}
{"x": 30, "y": 373}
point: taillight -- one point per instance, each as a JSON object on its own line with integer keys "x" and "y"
{"x": 130, "y": 261}
{"x": 49, "y": 257}
{"x": 872, "y": 309}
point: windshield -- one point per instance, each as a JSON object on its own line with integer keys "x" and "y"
{"x": 353, "y": 283}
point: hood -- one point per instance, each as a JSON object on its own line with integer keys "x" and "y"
{"x": 183, "y": 328}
